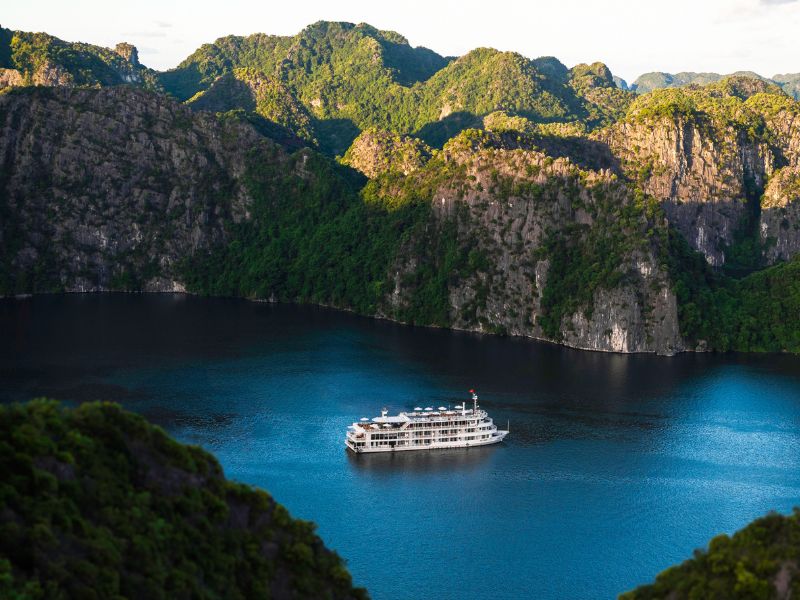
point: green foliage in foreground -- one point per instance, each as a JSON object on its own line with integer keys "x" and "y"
{"x": 757, "y": 313}
{"x": 760, "y": 561}
{"x": 98, "y": 503}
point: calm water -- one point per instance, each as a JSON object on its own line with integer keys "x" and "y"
{"x": 616, "y": 466}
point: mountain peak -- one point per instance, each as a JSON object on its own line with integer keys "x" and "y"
{"x": 128, "y": 52}
{"x": 552, "y": 67}
{"x": 596, "y": 74}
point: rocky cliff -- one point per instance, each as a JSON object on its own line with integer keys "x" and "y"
{"x": 780, "y": 216}
{"x": 708, "y": 154}
{"x": 375, "y": 152}
{"x": 532, "y": 246}
{"x": 779, "y": 224}
{"x": 705, "y": 181}
{"x": 112, "y": 188}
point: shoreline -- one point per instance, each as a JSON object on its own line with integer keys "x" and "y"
{"x": 179, "y": 289}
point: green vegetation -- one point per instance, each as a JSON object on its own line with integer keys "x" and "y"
{"x": 441, "y": 259}
{"x": 310, "y": 239}
{"x": 502, "y": 122}
{"x": 357, "y": 76}
{"x": 253, "y": 92}
{"x": 584, "y": 259}
{"x": 646, "y": 83}
{"x": 98, "y": 503}
{"x": 308, "y": 60}
{"x": 790, "y": 82}
{"x": 771, "y": 105}
{"x": 486, "y": 80}
{"x": 604, "y": 101}
{"x": 47, "y": 60}
{"x": 322, "y": 240}
{"x": 758, "y": 562}
{"x": 581, "y": 262}
{"x": 375, "y": 152}
{"x": 728, "y": 103}
{"x": 757, "y": 313}
{"x": 316, "y": 231}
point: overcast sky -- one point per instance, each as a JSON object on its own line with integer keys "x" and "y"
{"x": 630, "y": 36}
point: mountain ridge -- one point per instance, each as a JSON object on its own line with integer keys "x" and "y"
{"x": 500, "y": 194}
{"x": 647, "y": 82}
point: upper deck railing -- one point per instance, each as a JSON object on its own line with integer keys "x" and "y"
{"x": 404, "y": 420}
{"x": 453, "y": 415}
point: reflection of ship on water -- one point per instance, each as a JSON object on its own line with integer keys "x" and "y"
{"x": 425, "y": 429}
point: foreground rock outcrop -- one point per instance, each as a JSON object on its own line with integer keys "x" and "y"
{"x": 760, "y": 561}
{"x": 96, "y": 502}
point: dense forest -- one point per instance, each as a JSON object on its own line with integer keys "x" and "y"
{"x": 98, "y": 503}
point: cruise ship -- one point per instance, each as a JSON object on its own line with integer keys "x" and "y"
{"x": 425, "y": 429}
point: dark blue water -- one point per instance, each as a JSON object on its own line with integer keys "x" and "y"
{"x": 615, "y": 468}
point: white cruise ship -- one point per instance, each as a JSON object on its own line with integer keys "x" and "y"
{"x": 425, "y": 429}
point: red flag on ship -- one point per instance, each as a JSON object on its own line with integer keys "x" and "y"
{"x": 472, "y": 391}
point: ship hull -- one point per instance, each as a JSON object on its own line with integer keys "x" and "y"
{"x": 495, "y": 439}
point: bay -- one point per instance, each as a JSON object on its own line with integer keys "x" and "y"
{"x": 616, "y": 466}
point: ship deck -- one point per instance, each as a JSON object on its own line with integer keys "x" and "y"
{"x": 389, "y": 423}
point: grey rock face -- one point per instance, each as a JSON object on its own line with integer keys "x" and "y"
{"x": 10, "y": 78}
{"x": 621, "y": 322}
{"x": 704, "y": 179}
{"x": 779, "y": 221}
{"x": 780, "y": 216}
{"x": 116, "y": 186}
{"x": 509, "y": 232}
{"x": 128, "y": 52}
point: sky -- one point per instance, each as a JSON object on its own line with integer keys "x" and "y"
{"x": 632, "y": 37}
